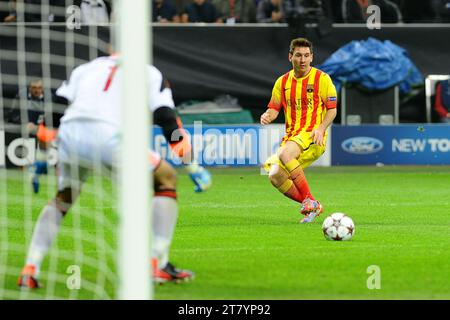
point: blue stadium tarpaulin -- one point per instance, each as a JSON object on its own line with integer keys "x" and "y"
{"x": 373, "y": 64}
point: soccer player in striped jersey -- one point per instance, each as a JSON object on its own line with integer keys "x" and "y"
{"x": 89, "y": 135}
{"x": 308, "y": 99}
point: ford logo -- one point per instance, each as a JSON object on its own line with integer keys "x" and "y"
{"x": 362, "y": 145}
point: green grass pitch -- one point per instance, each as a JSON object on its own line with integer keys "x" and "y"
{"x": 243, "y": 240}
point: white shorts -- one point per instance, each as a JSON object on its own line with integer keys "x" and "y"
{"x": 87, "y": 145}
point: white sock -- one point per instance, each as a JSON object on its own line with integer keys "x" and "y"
{"x": 45, "y": 232}
{"x": 165, "y": 213}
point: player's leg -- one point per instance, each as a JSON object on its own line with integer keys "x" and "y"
{"x": 281, "y": 180}
{"x": 311, "y": 208}
{"x": 39, "y": 167}
{"x": 165, "y": 214}
{"x": 179, "y": 143}
{"x": 48, "y": 223}
{"x": 290, "y": 155}
{"x": 45, "y": 137}
{"x": 45, "y": 232}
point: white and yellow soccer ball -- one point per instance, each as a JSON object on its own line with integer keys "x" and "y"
{"x": 338, "y": 226}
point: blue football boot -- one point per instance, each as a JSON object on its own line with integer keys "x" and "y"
{"x": 201, "y": 178}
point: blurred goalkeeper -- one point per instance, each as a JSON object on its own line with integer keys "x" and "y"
{"x": 308, "y": 99}
{"x": 89, "y": 135}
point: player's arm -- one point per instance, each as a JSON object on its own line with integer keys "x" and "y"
{"x": 37, "y": 128}
{"x": 274, "y": 106}
{"x": 319, "y": 132}
{"x": 164, "y": 115}
{"x": 162, "y": 104}
{"x": 68, "y": 89}
{"x": 173, "y": 131}
{"x": 269, "y": 116}
{"x": 166, "y": 118}
{"x": 32, "y": 128}
{"x": 329, "y": 98}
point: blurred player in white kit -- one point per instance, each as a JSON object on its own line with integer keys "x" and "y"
{"x": 90, "y": 134}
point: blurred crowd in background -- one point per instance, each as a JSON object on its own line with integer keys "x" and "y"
{"x": 236, "y": 11}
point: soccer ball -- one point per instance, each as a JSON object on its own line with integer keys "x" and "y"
{"x": 338, "y": 227}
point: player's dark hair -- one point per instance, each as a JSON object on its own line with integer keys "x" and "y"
{"x": 300, "y": 42}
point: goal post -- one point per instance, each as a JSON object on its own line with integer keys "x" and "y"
{"x": 103, "y": 246}
{"x": 134, "y": 196}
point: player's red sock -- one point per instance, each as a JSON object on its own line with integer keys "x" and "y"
{"x": 289, "y": 189}
{"x": 299, "y": 179}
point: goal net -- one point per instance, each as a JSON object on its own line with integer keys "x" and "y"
{"x": 40, "y": 45}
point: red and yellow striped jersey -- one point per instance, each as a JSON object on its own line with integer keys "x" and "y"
{"x": 303, "y": 99}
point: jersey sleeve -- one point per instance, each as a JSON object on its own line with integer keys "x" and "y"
{"x": 68, "y": 89}
{"x": 275, "y": 100}
{"x": 328, "y": 92}
{"x": 160, "y": 94}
